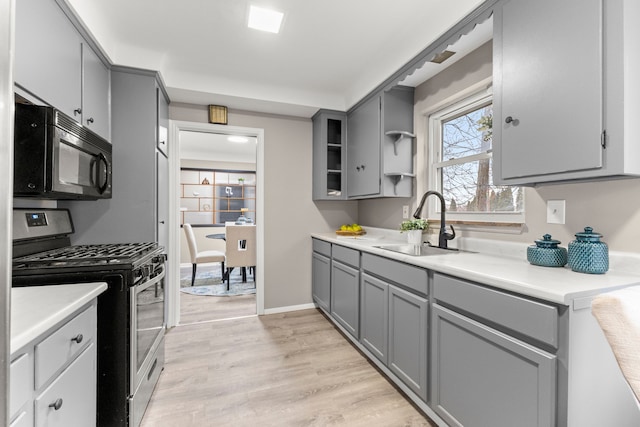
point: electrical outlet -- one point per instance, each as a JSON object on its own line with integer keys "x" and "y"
{"x": 555, "y": 211}
{"x": 405, "y": 212}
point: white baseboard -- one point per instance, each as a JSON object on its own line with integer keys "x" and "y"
{"x": 289, "y": 308}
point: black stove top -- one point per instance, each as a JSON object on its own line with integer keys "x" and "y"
{"x": 114, "y": 254}
{"x": 41, "y": 245}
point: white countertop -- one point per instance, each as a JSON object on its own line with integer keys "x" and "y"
{"x": 35, "y": 309}
{"x": 504, "y": 265}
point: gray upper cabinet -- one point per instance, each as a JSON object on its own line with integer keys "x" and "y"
{"x": 363, "y": 150}
{"x": 562, "y": 104}
{"x": 140, "y": 184}
{"x": 96, "y": 100}
{"x": 162, "y": 167}
{"x": 329, "y": 155}
{"x": 55, "y": 65}
{"x": 379, "y": 150}
{"x": 48, "y": 55}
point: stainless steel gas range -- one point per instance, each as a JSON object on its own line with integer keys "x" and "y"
{"x": 131, "y": 313}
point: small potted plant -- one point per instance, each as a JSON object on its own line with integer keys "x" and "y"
{"x": 240, "y": 181}
{"x": 414, "y": 229}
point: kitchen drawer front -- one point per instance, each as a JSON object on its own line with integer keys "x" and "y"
{"x": 531, "y": 319}
{"x": 408, "y": 276}
{"x": 75, "y": 390}
{"x": 322, "y": 247}
{"x": 21, "y": 383}
{"x": 63, "y": 345}
{"x": 346, "y": 255}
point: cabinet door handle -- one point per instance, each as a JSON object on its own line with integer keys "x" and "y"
{"x": 77, "y": 111}
{"x": 508, "y": 120}
{"x": 78, "y": 338}
{"x": 57, "y": 404}
{"x": 90, "y": 120}
{"x": 358, "y": 168}
{"x": 362, "y": 166}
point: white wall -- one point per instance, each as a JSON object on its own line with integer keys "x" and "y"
{"x": 290, "y": 214}
{"x": 6, "y": 190}
{"x": 611, "y": 207}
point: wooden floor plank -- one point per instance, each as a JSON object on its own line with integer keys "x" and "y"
{"x": 287, "y": 369}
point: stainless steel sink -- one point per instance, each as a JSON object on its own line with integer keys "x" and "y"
{"x": 415, "y": 250}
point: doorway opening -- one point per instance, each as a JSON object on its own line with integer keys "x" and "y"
{"x": 217, "y": 183}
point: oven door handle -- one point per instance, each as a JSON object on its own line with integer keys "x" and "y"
{"x": 153, "y": 281}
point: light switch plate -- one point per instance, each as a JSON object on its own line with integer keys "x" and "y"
{"x": 405, "y": 212}
{"x": 555, "y": 211}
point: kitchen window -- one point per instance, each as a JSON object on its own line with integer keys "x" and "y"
{"x": 460, "y": 165}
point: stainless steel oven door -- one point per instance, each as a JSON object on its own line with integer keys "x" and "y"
{"x": 147, "y": 326}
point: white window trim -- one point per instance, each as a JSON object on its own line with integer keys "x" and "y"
{"x": 461, "y": 102}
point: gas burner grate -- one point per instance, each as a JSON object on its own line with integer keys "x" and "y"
{"x": 79, "y": 254}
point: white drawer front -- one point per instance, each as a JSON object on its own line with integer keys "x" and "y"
{"x": 21, "y": 383}
{"x": 75, "y": 392}
{"x": 61, "y": 346}
{"x": 25, "y": 419}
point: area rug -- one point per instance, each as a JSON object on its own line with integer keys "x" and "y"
{"x": 209, "y": 282}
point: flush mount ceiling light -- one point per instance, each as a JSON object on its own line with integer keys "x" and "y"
{"x": 265, "y": 19}
{"x": 238, "y": 139}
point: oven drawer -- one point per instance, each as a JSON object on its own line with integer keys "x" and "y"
{"x": 63, "y": 345}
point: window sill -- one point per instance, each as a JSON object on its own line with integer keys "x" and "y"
{"x": 483, "y": 226}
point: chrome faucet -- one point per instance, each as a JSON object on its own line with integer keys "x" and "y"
{"x": 443, "y": 236}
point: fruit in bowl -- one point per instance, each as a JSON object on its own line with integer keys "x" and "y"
{"x": 350, "y": 230}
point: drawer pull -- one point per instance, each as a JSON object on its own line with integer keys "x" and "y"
{"x": 57, "y": 404}
{"x": 78, "y": 338}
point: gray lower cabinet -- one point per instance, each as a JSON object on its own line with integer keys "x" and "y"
{"x": 345, "y": 296}
{"x": 394, "y": 322}
{"x": 321, "y": 280}
{"x": 374, "y": 316}
{"x": 493, "y": 356}
{"x": 482, "y": 377}
{"x": 408, "y": 334}
{"x": 321, "y": 274}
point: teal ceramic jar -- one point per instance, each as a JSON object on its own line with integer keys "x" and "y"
{"x": 587, "y": 254}
{"x": 546, "y": 253}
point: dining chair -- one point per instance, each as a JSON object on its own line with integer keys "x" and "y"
{"x": 201, "y": 257}
{"x": 240, "y": 249}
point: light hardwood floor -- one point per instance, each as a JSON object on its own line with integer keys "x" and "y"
{"x": 194, "y": 308}
{"x": 289, "y": 369}
{"x": 198, "y": 308}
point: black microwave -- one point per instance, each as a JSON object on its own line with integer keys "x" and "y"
{"x": 55, "y": 157}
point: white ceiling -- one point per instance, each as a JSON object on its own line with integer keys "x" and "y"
{"x": 216, "y": 147}
{"x": 329, "y": 54}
